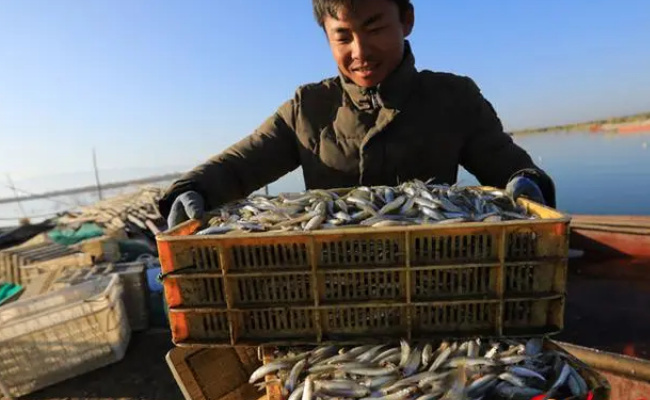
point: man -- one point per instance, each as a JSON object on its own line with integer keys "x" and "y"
{"x": 380, "y": 122}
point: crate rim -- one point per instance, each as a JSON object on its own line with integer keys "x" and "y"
{"x": 183, "y": 231}
{"x": 111, "y": 281}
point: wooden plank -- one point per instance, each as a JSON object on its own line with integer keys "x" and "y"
{"x": 610, "y": 228}
{"x": 632, "y": 221}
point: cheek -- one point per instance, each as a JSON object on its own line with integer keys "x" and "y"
{"x": 342, "y": 56}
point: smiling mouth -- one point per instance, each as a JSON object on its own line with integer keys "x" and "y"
{"x": 365, "y": 69}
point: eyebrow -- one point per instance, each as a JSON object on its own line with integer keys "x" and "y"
{"x": 372, "y": 19}
{"x": 365, "y": 24}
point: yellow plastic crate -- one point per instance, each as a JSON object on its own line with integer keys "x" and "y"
{"x": 367, "y": 284}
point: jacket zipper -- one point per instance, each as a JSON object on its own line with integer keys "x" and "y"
{"x": 375, "y": 99}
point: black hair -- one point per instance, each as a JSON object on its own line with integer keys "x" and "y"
{"x": 331, "y": 7}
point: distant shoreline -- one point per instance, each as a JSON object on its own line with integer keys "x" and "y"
{"x": 625, "y": 124}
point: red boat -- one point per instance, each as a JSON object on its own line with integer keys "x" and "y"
{"x": 611, "y": 235}
{"x": 645, "y": 127}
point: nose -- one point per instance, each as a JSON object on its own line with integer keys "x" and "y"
{"x": 360, "y": 48}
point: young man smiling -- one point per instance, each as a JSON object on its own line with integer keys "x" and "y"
{"x": 380, "y": 122}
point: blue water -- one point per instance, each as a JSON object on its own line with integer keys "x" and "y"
{"x": 593, "y": 174}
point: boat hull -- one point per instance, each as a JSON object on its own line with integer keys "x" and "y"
{"x": 614, "y": 236}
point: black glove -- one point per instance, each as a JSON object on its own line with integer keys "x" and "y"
{"x": 188, "y": 205}
{"x": 522, "y": 186}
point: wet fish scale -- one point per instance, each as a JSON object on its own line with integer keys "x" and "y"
{"x": 412, "y": 202}
{"x": 358, "y": 373}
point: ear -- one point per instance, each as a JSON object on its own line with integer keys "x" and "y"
{"x": 408, "y": 21}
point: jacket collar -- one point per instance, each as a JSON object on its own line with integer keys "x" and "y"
{"x": 391, "y": 93}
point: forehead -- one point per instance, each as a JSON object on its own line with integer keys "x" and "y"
{"x": 359, "y": 14}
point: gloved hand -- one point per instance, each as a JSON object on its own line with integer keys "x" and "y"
{"x": 522, "y": 186}
{"x": 188, "y": 205}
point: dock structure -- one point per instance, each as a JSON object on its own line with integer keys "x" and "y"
{"x": 91, "y": 188}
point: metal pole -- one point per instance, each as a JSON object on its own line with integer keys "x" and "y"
{"x": 13, "y": 188}
{"x": 99, "y": 186}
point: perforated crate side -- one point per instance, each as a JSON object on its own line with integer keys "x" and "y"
{"x": 362, "y": 320}
{"x": 445, "y": 282}
{"x": 367, "y": 249}
{"x": 536, "y": 277}
{"x": 457, "y": 318}
{"x": 270, "y": 289}
{"x": 65, "y": 341}
{"x": 195, "y": 291}
{"x": 135, "y": 294}
{"x": 537, "y": 241}
{"x": 218, "y": 327}
{"x": 344, "y": 286}
{"x": 201, "y": 326}
{"x": 533, "y": 316}
{"x": 455, "y": 245}
{"x": 267, "y": 324}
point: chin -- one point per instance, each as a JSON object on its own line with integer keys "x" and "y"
{"x": 367, "y": 82}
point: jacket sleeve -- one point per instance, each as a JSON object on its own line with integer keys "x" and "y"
{"x": 257, "y": 160}
{"x": 490, "y": 154}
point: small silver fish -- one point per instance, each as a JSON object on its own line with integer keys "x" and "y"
{"x": 466, "y": 361}
{"x": 512, "y": 359}
{"x": 427, "y": 354}
{"x": 561, "y": 380}
{"x": 482, "y": 384}
{"x": 400, "y": 395}
{"x": 215, "y": 230}
{"x": 472, "y": 349}
{"x": 314, "y": 223}
{"x": 308, "y": 391}
{"x": 406, "y": 382}
{"x": 533, "y": 347}
{"x": 341, "y": 387}
{"x": 393, "y": 205}
{"x": 266, "y": 369}
{"x": 508, "y": 391}
{"x": 577, "y": 383}
{"x": 491, "y": 354}
{"x": 343, "y": 216}
{"x": 413, "y": 362}
{"x": 370, "y": 354}
{"x": 405, "y": 352}
{"x": 369, "y": 371}
{"x": 297, "y": 393}
{"x": 442, "y": 357}
{"x": 526, "y": 373}
{"x": 294, "y": 374}
{"x": 512, "y": 379}
{"x": 378, "y": 381}
{"x": 384, "y": 355}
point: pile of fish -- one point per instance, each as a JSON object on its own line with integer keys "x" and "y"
{"x": 411, "y": 203}
{"x": 473, "y": 369}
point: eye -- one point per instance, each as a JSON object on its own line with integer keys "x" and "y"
{"x": 376, "y": 29}
{"x": 342, "y": 39}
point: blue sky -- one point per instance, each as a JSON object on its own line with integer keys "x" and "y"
{"x": 160, "y": 84}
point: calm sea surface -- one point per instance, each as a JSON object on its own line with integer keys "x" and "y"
{"x": 593, "y": 174}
